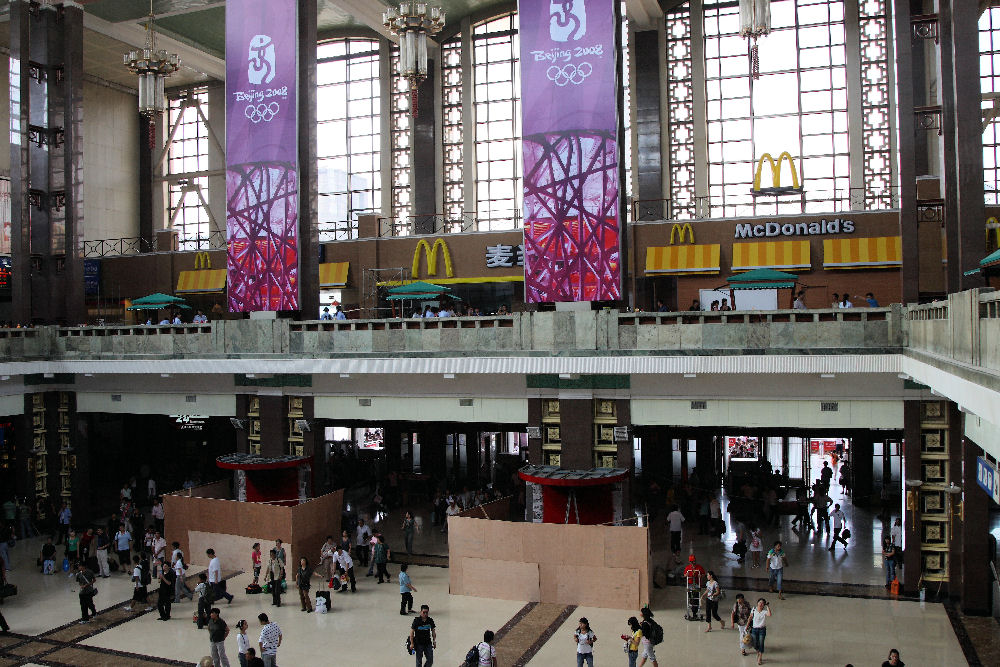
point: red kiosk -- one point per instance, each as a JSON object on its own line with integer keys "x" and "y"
{"x": 586, "y": 497}
{"x": 281, "y": 480}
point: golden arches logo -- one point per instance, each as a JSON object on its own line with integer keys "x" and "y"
{"x": 430, "y": 254}
{"x": 202, "y": 260}
{"x": 776, "y": 174}
{"x": 681, "y": 230}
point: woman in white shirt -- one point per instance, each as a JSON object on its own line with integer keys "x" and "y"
{"x": 758, "y": 627}
{"x": 584, "y": 638}
{"x": 242, "y": 642}
{"x": 712, "y": 594}
{"x": 756, "y": 546}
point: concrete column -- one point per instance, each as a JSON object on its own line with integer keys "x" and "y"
{"x": 423, "y": 157}
{"x": 956, "y": 543}
{"x": 535, "y": 419}
{"x": 576, "y": 430}
{"x": 272, "y": 426}
{"x": 308, "y": 184}
{"x": 975, "y": 556}
{"x": 907, "y": 155}
{"x": 623, "y": 408}
{"x": 911, "y": 504}
{"x": 647, "y": 95}
{"x": 147, "y": 145}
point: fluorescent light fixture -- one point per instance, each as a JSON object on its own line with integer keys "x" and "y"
{"x": 827, "y": 375}
{"x": 164, "y": 375}
{"x": 88, "y": 375}
{"x": 249, "y": 375}
{"x": 48, "y": 376}
{"x": 903, "y": 376}
{"x": 4, "y": 377}
{"x": 449, "y": 376}
{"x": 690, "y": 375}
{"x": 345, "y": 375}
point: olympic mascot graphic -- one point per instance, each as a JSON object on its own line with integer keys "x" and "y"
{"x": 260, "y": 69}
{"x": 567, "y": 20}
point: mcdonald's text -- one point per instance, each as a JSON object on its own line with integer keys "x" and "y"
{"x": 835, "y": 226}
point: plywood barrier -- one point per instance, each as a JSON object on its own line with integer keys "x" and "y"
{"x": 231, "y": 527}
{"x": 595, "y": 566}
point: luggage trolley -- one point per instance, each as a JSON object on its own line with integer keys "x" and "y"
{"x": 692, "y": 612}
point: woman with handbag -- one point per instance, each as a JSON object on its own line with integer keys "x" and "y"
{"x": 302, "y": 577}
{"x": 275, "y": 575}
{"x": 758, "y": 629}
{"x": 712, "y": 595}
{"x": 740, "y": 618}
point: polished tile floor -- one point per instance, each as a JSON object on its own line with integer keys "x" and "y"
{"x": 365, "y": 628}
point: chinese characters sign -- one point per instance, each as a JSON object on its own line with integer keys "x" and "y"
{"x": 504, "y": 256}
{"x": 569, "y": 84}
{"x": 261, "y": 154}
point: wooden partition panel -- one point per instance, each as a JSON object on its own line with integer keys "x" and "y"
{"x": 599, "y": 566}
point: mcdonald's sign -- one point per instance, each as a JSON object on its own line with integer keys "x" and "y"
{"x": 430, "y": 254}
{"x": 681, "y": 230}
{"x": 776, "y": 188}
{"x": 202, "y": 260}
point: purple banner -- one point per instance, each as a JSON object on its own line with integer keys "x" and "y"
{"x": 569, "y": 89}
{"x": 261, "y": 154}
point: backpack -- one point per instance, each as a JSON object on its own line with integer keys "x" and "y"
{"x": 144, "y": 576}
{"x": 472, "y": 657}
{"x": 655, "y": 632}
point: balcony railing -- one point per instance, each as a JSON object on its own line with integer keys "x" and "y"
{"x": 135, "y": 245}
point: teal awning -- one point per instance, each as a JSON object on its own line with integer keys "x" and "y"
{"x": 762, "y": 275}
{"x": 419, "y": 287}
{"x": 991, "y": 259}
{"x": 761, "y": 285}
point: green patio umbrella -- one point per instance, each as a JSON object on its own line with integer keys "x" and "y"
{"x": 157, "y": 298}
{"x": 419, "y": 288}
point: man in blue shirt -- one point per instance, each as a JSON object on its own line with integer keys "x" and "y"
{"x": 406, "y": 590}
{"x": 870, "y": 298}
{"x": 123, "y": 545}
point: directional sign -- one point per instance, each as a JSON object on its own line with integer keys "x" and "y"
{"x": 989, "y": 480}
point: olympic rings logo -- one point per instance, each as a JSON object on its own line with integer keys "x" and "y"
{"x": 261, "y": 112}
{"x": 575, "y": 74}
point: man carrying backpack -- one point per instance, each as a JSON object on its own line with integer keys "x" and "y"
{"x": 483, "y": 654}
{"x": 652, "y": 634}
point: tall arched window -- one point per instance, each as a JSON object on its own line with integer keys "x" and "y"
{"x": 989, "y": 72}
{"x": 798, "y": 105}
{"x": 497, "y": 76}
{"x": 348, "y": 135}
{"x": 187, "y": 202}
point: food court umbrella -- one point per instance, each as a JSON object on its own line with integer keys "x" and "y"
{"x": 419, "y": 288}
{"x": 158, "y": 299}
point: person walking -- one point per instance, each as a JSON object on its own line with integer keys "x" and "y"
{"x": 168, "y": 581}
{"x": 646, "y": 651}
{"x": 889, "y": 556}
{"x": 584, "y": 638}
{"x": 85, "y": 578}
{"x": 270, "y": 640}
{"x": 101, "y": 546}
{"x": 758, "y": 629}
{"x": 675, "y": 521}
{"x": 839, "y": 525}
{"x": 242, "y": 642}
{"x": 776, "y": 562}
{"x": 712, "y": 595}
{"x": 487, "y": 652}
{"x": 65, "y": 517}
{"x": 275, "y": 575}
{"x": 362, "y": 539}
{"x": 756, "y": 546}
{"x": 327, "y": 561}
{"x": 302, "y": 581}
{"x": 740, "y": 619}
{"x": 218, "y": 632}
{"x": 139, "y": 582}
{"x": 180, "y": 575}
{"x": 406, "y": 591}
{"x": 346, "y": 564}
{"x": 380, "y": 556}
{"x": 409, "y": 526}
{"x": 423, "y": 637}
{"x": 123, "y": 545}
{"x": 215, "y": 577}
{"x": 633, "y": 639}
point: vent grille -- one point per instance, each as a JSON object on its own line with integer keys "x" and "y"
{"x": 365, "y": 402}
{"x": 191, "y": 398}
{"x": 830, "y": 406}
{"x": 465, "y": 402}
{"x": 699, "y": 405}
{"x": 116, "y": 398}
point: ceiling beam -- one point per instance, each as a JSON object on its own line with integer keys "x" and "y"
{"x": 644, "y": 14}
{"x": 188, "y": 9}
{"x": 368, "y": 12}
{"x": 135, "y": 36}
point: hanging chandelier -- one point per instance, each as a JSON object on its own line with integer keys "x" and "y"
{"x": 755, "y": 22}
{"x": 153, "y": 66}
{"x": 413, "y": 23}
